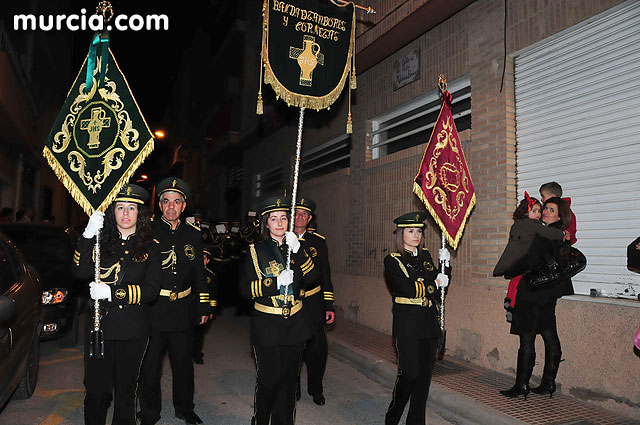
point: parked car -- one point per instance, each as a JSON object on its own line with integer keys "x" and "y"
{"x": 20, "y": 324}
{"x": 49, "y": 249}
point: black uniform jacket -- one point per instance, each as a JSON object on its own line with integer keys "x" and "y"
{"x": 523, "y": 231}
{"x": 134, "y": 283}
{"x": 414, "y": 278}
{"x": 258, "y": 280}
{"x": 212, "y": 285}
{"x": 316, "y": 305}
{"x": 182, "y": 267}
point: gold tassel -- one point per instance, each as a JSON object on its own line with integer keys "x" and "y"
{"x": 349, "y": 124}
{"x": 353, "y": 84}
{"x": 259, "y": 107}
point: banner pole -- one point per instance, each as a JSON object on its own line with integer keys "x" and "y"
{"x": 96, "y": 340}
{"x": 442, "y": 266}
{"x": 443, "y": 339}
{"x": 294, "y": 190}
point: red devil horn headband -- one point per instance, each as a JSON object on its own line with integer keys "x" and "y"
{"x": 530, "y": 201}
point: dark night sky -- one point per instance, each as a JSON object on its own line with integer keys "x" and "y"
{"x": 149, "y": 59}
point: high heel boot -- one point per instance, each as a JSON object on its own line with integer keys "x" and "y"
{"x": 523, "y": 373}
{"x": 548, "y": 381}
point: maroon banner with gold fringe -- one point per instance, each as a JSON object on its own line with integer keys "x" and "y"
{"x": 443, "y": 182}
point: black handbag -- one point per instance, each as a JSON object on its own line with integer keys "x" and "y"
{"x": 561, "y": 263}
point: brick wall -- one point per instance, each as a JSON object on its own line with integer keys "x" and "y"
{"x": 357, "y": 206}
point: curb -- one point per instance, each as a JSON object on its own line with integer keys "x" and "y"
{"x": 439, "y": 395}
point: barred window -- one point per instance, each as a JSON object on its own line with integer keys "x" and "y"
{"x": 411, "y": 124}
{"x": 268, "y": 182}
{"x": 327, "y": 157}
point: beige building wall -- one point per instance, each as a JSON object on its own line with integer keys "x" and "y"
{"x": 357, "y": 205}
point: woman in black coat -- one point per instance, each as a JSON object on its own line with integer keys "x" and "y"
{"x": 414, "y": 280}
{"x": 535, "y": 311}
{"x": 129, "y": 279}
{"x": 278, "y": 331}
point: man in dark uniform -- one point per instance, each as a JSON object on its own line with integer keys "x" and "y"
{"x": 198, "y": 333}
{"x": 180, "y": 245}
{"x": 318, "y": 301}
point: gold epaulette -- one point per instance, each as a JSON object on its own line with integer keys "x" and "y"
{"x": 319, "y": 235}
{"x": 397, "y": 256}
{"x": 195, "y": 226}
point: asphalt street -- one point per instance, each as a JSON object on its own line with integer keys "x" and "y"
{"x": 224, "y": 387}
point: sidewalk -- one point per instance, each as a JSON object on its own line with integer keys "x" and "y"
{"x": 468, "y": 390}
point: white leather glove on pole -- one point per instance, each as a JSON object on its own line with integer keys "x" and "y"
{"x": 284, "y": 278}
{"x": 442, "y": 280}
{"x": 292, "y": 241}
{"x": 99, "y": 291}
{"x": 445, "y": 256}
{"x": 96, "y": 221}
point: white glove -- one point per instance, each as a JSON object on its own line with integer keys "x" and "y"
{"x": 292, "y": 241}
{"x": 94, "y": 225}
{"x": 442, "y": 280}
{"x": 99, "y": 291}
{"x": 285, "y": 278}
{"x": 445, "y": 256}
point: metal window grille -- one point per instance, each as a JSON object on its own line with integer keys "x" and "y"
{"x": 326, "y": 158}
{"x": 268, "y": 182}
{"x": 411, "y": 124}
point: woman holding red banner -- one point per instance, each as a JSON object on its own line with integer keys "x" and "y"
{"x": 534, "y": 311}
{"x": 414, "y": 281}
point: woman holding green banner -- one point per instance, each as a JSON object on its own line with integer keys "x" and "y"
{"x": 129, "y": 280}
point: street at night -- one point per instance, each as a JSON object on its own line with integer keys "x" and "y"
{"x": 224, "y": 387}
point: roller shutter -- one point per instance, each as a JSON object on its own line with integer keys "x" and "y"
{"x": 578, "y": 123}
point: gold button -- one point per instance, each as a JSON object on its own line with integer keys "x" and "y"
{"x": 126, "y": 251}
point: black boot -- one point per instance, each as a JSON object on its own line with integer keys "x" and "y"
{"x": 548, "y": 382}
{"x": 523, "y": 373}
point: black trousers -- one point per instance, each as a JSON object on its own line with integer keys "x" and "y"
{"x": 179, "y": 346}
{"x": 198, "y": 341}
{"x": 416, "y": 359}
{"x": 277, "y": 374}
{"x": 315, "y": 357}
{"x": 116, "y": 373}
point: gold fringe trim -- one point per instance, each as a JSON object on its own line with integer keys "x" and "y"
{"x": 300, "y": 100}
{"x": 75, "y": 192}
{"x": 453, "y": 241}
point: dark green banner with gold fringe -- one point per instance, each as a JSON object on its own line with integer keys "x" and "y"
{"x": 308, "y": 50}
{"x": 99, "y": 138}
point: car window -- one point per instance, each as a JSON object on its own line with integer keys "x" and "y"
{"x": 7, "y": 273}
{"x": 49, "y": 252}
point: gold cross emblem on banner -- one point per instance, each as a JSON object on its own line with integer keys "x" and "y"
{"x": 308, "y": 57}
{"x": 274, "y": 268}
{"x": 94, "y": 126}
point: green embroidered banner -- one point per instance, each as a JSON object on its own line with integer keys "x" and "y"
{"x": 99, "y": 138}
{"x": 308, "y": 50}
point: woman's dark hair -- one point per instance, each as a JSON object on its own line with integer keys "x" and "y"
{"x": 264, "y": 230}
{"x": 564, "y": 213}
{"x": 522, "y": 211}
{"x": 399, "y": 232}
{"x": 110, "y": 237}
